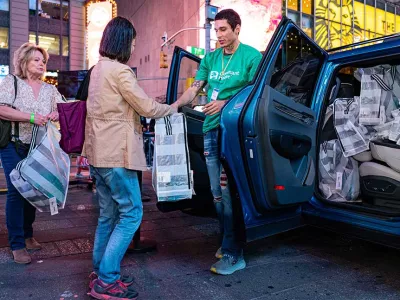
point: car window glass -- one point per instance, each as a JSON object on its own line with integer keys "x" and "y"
{"x": 187, "y": 74}
{"x": 296, "y": 68}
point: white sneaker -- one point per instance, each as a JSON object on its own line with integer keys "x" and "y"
{"x": 228, "y": 265}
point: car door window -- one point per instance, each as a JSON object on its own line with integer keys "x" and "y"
{"x": 187, "y": 74}
{"x": 296, "y": 66}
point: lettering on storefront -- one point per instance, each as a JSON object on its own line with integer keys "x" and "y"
{"x": 389, "y": 27}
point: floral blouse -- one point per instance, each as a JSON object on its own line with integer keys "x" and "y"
{"x": 26, "y": 102}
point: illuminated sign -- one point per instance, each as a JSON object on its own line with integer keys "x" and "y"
{"x": 338, "y": 19}
{"x": 259, "y": 19}
{"x": 98, "y": 14}
{"x": 200, "y": 52}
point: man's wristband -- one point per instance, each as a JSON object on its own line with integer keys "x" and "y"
{"x": 32, "y": 119}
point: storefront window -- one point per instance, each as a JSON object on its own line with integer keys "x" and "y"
{"x": 50, "y": 42}
{"x": 4, "y": 5}
{"x": 293, "y": 4}
{"x": 307, "y": 6}
{"x": 307, "y": 25}
{"x": 3, "y": 38}
{"x": 294, "y": 16}
{"x": 65, "y": 46}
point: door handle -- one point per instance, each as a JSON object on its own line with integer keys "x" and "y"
{"x": 289, "y": 145}
{"x": 301, "y": 116}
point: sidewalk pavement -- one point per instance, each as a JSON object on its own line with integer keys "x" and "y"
{"x": 303, "y": 264}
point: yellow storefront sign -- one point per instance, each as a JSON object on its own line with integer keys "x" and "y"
{"x": 334, "y": 22}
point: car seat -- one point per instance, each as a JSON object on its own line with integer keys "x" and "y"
{"x": 387, "y": 152}
{"x": 339, "y": 90}
{"x": 380, "y": 185}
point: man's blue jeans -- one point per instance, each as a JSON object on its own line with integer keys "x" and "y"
{"x": 221, "y": 194}
{"x": 20, "y": 214}
{"x": 121, "y": 212}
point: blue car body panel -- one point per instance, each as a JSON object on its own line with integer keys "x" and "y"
{"x": 241, "y": 145}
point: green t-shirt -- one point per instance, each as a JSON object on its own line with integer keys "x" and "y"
{"x": 238, "y": 73}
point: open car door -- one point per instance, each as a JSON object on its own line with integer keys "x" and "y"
{"x": 184, "y": 66}
{"x": 269, "y": 134}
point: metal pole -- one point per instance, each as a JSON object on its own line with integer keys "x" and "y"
{"x": 207, "y": 27}
{"x": 37, "y": 22}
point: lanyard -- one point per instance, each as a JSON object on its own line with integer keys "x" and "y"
{"x": 223, "y": 69}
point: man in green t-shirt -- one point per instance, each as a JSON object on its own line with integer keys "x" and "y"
{"x": 226, "y": 70}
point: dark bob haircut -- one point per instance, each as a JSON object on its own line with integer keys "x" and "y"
{"x": 231, "y": 16}
{"x": 117, "y": 40}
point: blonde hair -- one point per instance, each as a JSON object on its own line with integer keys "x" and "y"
{"x": 23, "y": 55}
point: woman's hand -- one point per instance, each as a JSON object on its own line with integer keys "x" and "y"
{"x": 53, "y": 116}
{"x": 175, "y": 107}
{"x": 40, "y": 120}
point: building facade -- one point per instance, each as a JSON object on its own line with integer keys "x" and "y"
{"x": 331, "y": 23}
{"x": 337, "y": 23}
{"x": 56, "y": 25}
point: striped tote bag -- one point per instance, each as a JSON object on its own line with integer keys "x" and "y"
{"x": 44, "y": 173}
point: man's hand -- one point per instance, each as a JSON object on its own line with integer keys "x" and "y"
{"x": 213, "y": 107}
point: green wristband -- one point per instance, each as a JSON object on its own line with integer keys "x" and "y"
{"x": 32, "y": 119}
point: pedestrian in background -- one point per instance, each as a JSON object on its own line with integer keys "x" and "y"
{"x": 227, "y": 70}
{"x": 35, "y": 103}
{"x": 114, "y": 148}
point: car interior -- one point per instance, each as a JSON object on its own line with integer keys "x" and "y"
{"x": 359, "y": 145}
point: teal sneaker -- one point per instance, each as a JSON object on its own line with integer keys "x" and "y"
{"x": 219, "y": 254}
{"x": 228, "y": 264}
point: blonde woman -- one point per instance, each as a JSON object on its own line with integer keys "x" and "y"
{"x": 35, "y": 103}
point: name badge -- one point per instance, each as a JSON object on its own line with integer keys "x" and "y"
{"x": 214, "y": 94}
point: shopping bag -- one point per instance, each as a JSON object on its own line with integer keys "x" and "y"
{"x": 338, "y": 175}
{"x": 370, "y": 100}
{"x": 72, "y": 117}
{"x": 172, "y": 177}
{"x": 42, "y": 178}
{"x": 353, "y": 137}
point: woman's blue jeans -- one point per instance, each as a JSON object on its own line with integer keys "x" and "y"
{"x": 20, "y": 214}
{"x": 221, "y": 194}
{"x": 121, "y": 213}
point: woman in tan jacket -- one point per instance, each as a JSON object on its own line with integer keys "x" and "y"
{"x": 114, "y": 148}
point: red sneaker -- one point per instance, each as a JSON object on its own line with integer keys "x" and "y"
{"x": 112, "y": 291}
{"x": 125, "y": 279}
